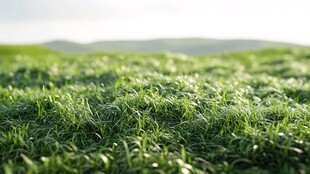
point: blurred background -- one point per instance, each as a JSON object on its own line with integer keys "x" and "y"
{"x": 193, "y": 27}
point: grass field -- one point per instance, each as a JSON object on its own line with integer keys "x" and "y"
{"x": 243, "y": 112}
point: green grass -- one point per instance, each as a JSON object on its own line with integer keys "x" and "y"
{"x": 243, "y": 112}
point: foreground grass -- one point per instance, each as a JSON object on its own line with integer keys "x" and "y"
{"x": 163, "y": 113}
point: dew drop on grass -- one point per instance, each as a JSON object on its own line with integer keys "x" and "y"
{"x": 257, "y": 99}
{"x": 170, "y": 163}
{"x": 146, "y": 155}
{"x": 255, "y": 147}
{"x": 104, "y": 158}
{"x": 43, "y": 158}
{"x": 185, "y": 171}
{"x": 87, "y": 157}
{"x": 299, "y": 141}
{"x": 188, "y": 166}
{"x": 10, "y": 88}
{"x": 180, "y": 162}
{"x": 295, "y": 149}
{"x": 154, "y": 165}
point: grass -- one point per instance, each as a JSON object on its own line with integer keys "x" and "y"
{"x": 243, "y": 112}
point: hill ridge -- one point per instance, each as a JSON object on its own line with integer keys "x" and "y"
{"x": 190, "y": 46}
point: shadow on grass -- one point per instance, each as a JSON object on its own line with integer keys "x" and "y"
{"x": 34, "y": 77}
{"x": 299, "y": 95}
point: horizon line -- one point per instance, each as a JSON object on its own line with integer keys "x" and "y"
{"x": 153, "y": 39}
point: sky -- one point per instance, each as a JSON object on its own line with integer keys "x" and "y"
{"x": 37, "y": 21}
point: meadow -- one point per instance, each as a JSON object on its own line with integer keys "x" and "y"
{"x": 243, "y": 112}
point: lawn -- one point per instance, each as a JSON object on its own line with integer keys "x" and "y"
{"x": 245, "y": 112}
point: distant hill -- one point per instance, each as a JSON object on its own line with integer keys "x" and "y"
{"x": 12, "y": 50}
{"x": 190, "y": 46}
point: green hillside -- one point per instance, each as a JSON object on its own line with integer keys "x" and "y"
{"x": 10, "y": 55}
{"x": 189, "y": 46}
{"x": 244, "y": 112}
{"x": 24, "y": 50}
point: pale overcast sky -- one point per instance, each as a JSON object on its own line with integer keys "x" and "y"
{"x": 35, "y": 21}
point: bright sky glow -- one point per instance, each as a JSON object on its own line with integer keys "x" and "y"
{"x": 35, "y": 21}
